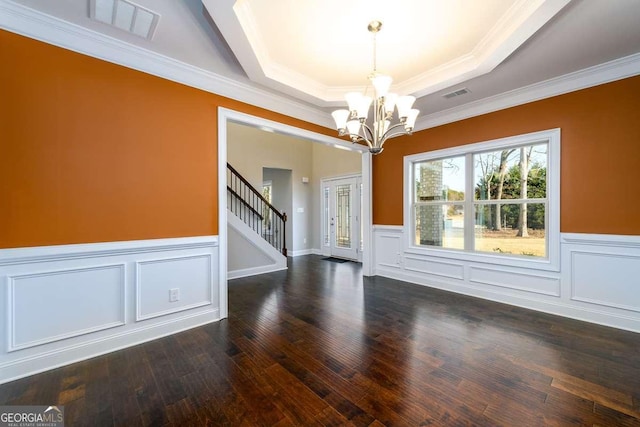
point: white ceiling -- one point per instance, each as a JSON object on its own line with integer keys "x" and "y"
{"x": 437, "y": 44}
{"x": 312, "y": 51}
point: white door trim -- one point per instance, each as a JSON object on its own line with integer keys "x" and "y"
{"x": 226, "y": 115}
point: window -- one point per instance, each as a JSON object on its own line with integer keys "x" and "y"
{"x": 495, "y": 201}
{"x": 438, "y": 207}
{"x": 267, "y": 193}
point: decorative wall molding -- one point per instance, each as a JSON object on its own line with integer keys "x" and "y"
{"x": 587, "y": 277}
{"x": 22, "y": 20}
{"x": 387, "y": 247}
{"x": 98, "y": 250}
{"x": 617, "y": 69}
{"x": 604, "y": 271}
{"x": 602, "y": 288}
{"x": 495, "y": 276}
{"x": 613, "y": 240}
{"x": 31, "y": 23}
{"x": 185, "y": 270}
{"x": 71, "y": 302}
{"x": 34, "y": 301}
{"x": 450, "y": 270}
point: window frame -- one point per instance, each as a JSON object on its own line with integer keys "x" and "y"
{"x": 552, "y": 138}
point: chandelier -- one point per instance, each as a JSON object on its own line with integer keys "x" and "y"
{"x": 353, "y": 122}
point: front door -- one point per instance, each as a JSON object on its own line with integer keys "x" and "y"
{"x": 341, "y": 217}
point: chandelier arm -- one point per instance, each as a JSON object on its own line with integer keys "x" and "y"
{"x": 394, "y": 127}
{"x": 388, "y": 134}
{"x": 368, "y": 130}
{"x": 355, "y": 137}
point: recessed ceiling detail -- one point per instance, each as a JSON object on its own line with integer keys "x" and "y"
{"x": 325, "y": 51}
{"x": 125, "y": 15}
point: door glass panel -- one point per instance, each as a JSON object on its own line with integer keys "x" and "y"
{"x": 327, "y": 218}
{"x": 343, "y": 216}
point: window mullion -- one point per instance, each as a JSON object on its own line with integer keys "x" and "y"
{"x": 469, "y": 217}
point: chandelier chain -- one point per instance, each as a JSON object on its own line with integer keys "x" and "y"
{"x": 375, "y": 57}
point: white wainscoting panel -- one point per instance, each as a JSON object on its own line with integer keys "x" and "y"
{"x": 538, "y": 282}
{"x": 592, "y": 283}
{"x": 190, "y": 275}
{"x": 447, "y": 269}
{"x": 71, "y": 302}
{"x": 387, "y": 242}
{"x": 603, "y": 271}
{"x": 598, "y": 282}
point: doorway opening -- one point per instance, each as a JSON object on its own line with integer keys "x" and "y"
{"x": 226, "y": 117}
{"x": 277, "y": 184}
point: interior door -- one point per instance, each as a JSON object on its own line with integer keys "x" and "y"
{"x": 341, "y": 217}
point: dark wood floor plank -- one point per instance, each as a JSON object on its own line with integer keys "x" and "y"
{"x": 321, "y": 345}
{"x": 126, "y": 411}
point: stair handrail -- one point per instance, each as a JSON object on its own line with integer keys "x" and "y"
{"x": 279, "y": 242}
{"x": 245, "y": 203}
{"x": 281, "y": 215}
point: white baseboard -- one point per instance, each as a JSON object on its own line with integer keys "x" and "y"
{"x": 88, "y": 349}
{"x": 254, "y": 271}
{"x": 557, "y": 307}
{"x": 304, "y": 252}
{"x": 90, "y": 299}
{"x": 597, "y": 281}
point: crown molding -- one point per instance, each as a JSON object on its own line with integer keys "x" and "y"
{"x": 19, "y": 19}
{"x": 31, "y": 23}
{"x": 607, "y": 72}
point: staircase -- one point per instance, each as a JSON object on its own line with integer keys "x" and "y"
{"x": 256, "y": 230}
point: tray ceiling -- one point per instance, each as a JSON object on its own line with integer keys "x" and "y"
{"x": 322, "y": 49}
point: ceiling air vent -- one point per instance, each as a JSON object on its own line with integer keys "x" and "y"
{"x": 455, "y": 93}
{"x": 125, "y": 15}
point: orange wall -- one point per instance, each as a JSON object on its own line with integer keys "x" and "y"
{"x": 600, "y": 188}
{"x": 95, "y": 152}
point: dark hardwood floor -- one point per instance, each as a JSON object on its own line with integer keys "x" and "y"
{"x": 320, "y": 345}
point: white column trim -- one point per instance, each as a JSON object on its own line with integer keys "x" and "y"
{"x": 222, "y": 214}
{"x": 367, "y": 215}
